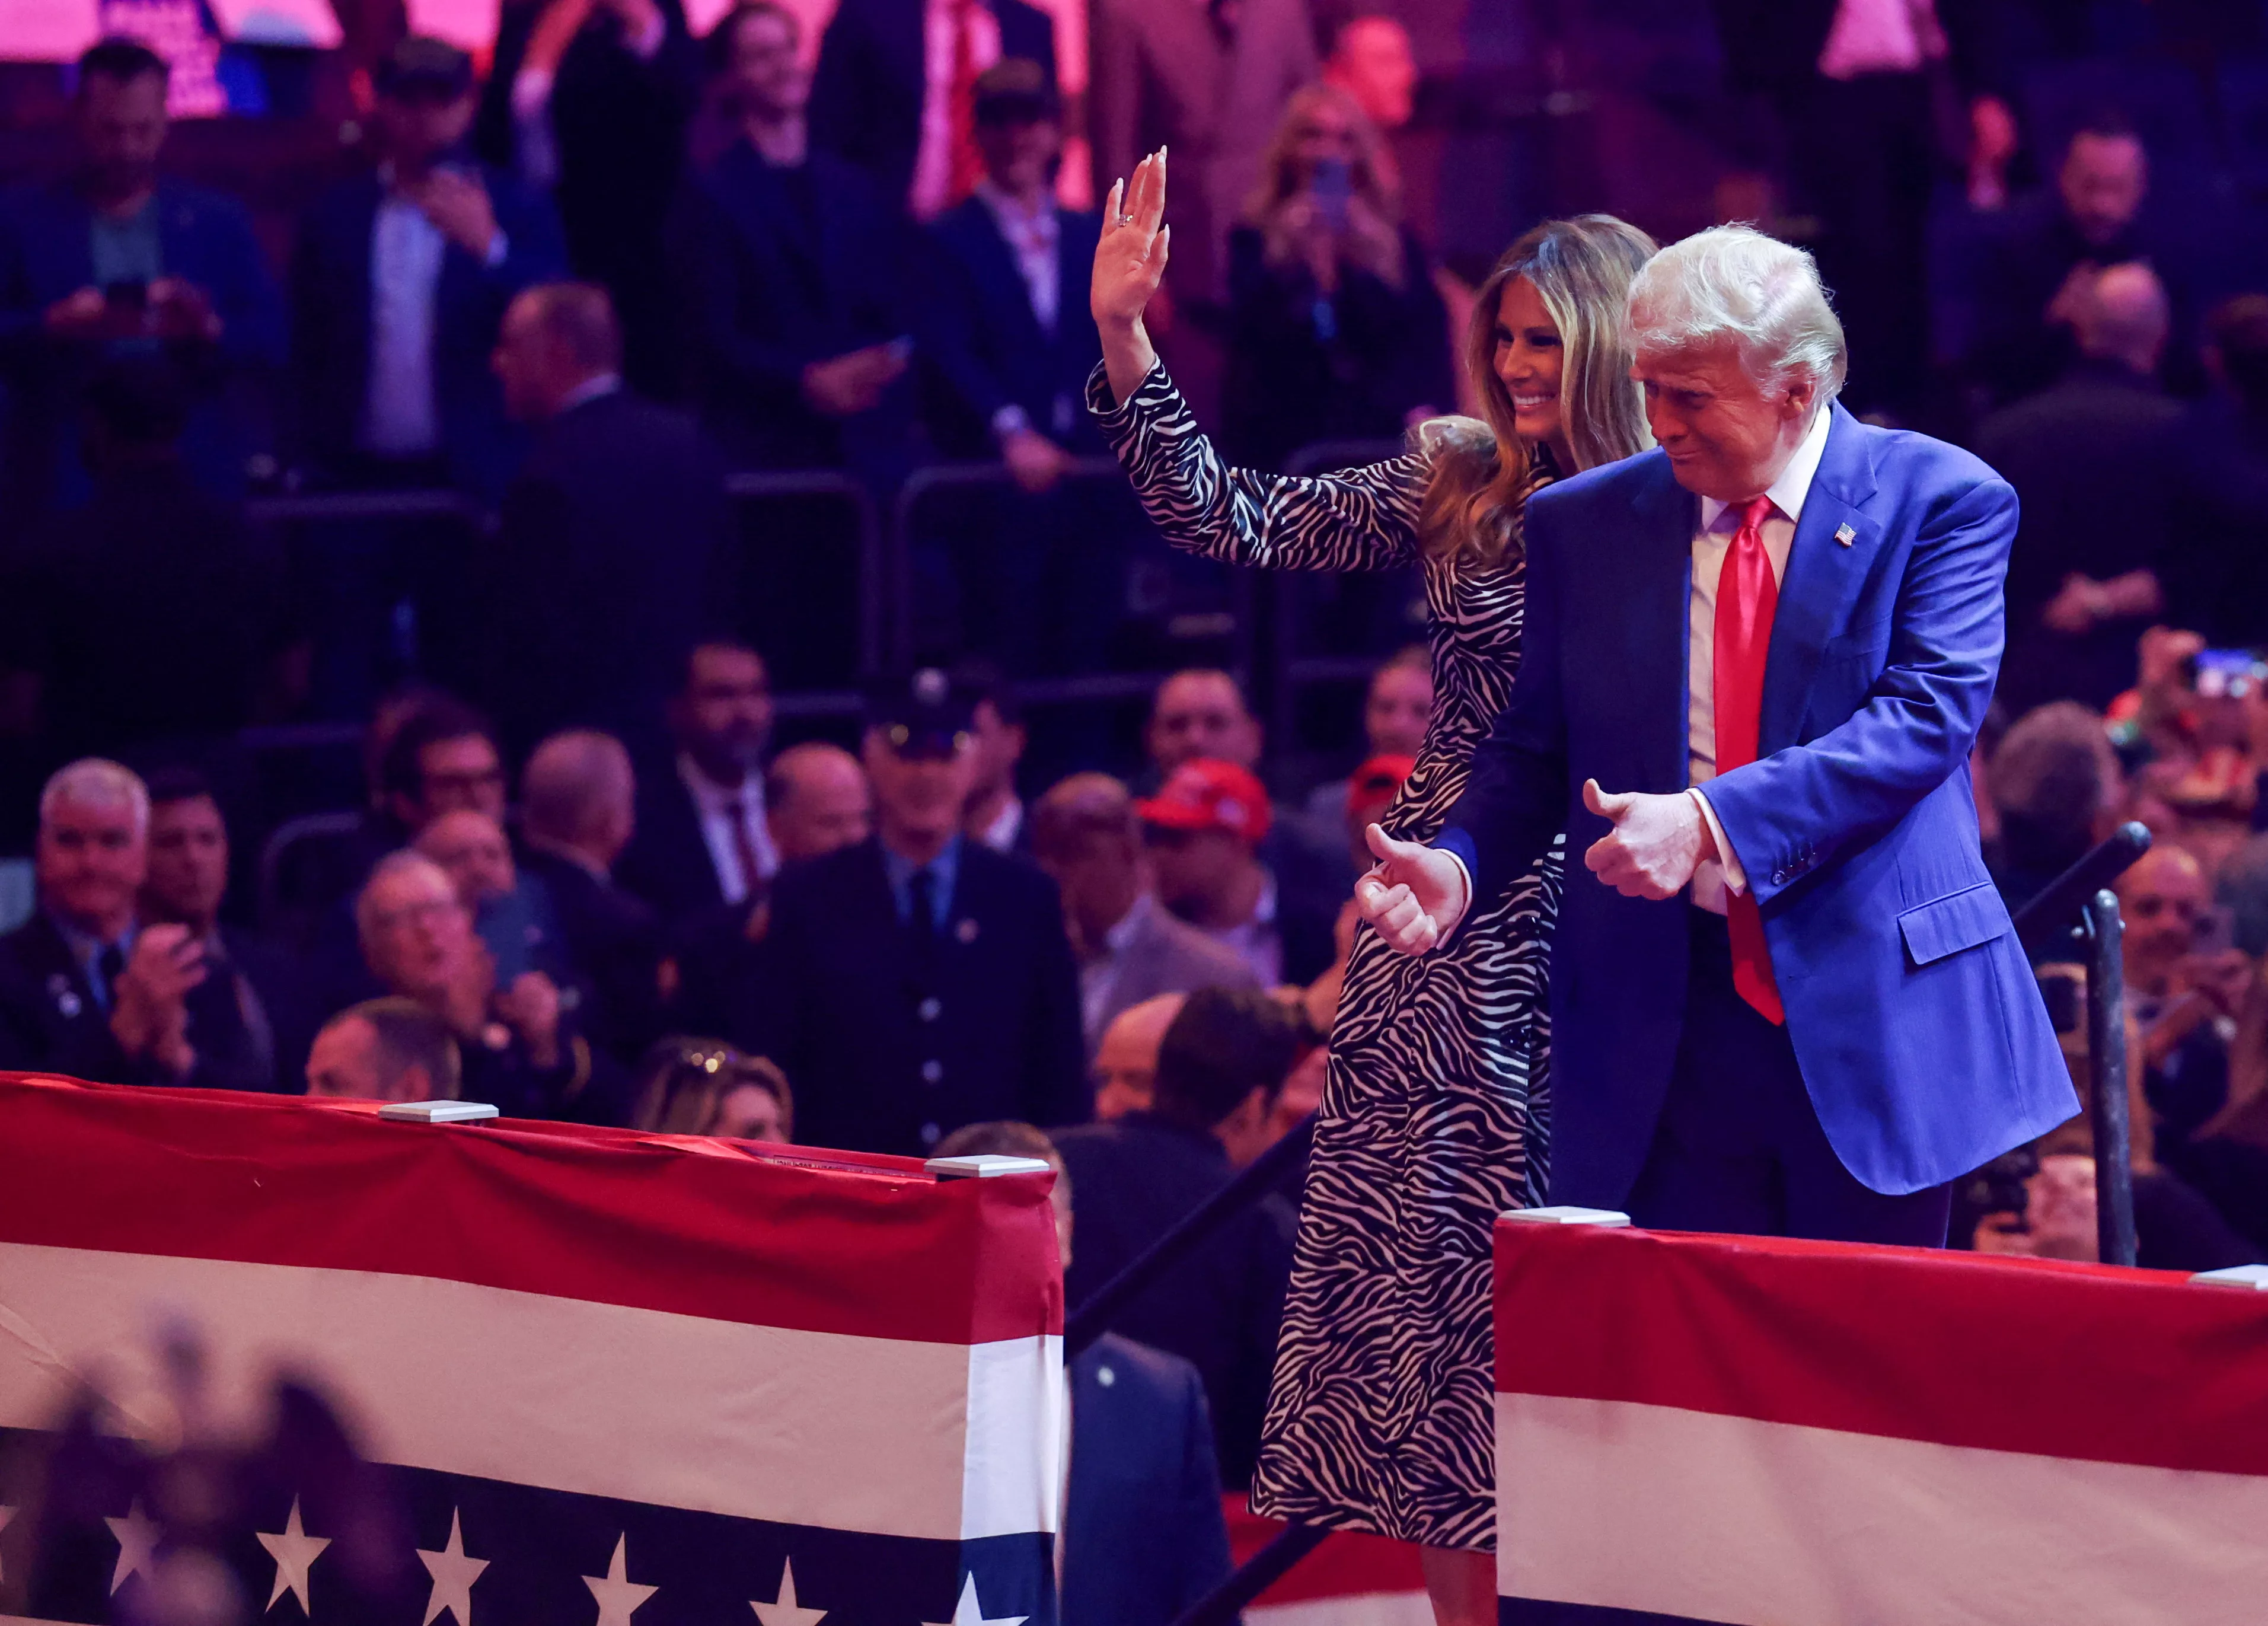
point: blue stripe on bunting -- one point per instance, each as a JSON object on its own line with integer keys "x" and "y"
{"x": 540, "y": 1545}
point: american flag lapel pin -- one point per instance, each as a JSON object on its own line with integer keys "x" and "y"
{"x": 1845, "y": 535}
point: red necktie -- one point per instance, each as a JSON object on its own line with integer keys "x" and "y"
{"x": 967, "y": 159}
{"x": 1746, "y": 596}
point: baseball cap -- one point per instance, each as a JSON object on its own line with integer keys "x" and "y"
{"x": 422, "y": 66}
{"x": 921, "y": 713}
{"x": 1207, "y": 793}
{"x": 1377, "y": 781}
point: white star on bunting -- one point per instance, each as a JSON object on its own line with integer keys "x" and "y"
{"x": 295, "y": 1552}
{"x": 138, "y": 1536}
{"x": 969, "y": 1612}
{"x": 619, "y": 1596}
{"x": 784, "y": 1611}
{"x": 453, "y": 1575}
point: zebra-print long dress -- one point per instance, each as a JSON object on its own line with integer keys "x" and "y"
{"x": 1433, "y": 1121}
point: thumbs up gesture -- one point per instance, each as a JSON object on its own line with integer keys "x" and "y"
{"x": 1656, "y": 844}
{"x": 1414, "y": 896}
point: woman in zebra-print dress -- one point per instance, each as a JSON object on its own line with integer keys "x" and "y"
{"x": 1432, "y": 1121}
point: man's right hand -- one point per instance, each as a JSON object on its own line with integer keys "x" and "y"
{"x": 844, "y": 385}
{"x": 1414, "y": 896}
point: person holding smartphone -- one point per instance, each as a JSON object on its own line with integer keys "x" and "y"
{"x": 1336, "y": 331}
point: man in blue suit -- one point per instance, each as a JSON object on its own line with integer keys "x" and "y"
{"x": 118, "y": 258}
{"x": 1788, "y": 1000}
{"x": 399, "y": 285}
{"x": 1144, "y": 1536}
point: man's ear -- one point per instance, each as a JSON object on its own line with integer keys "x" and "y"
{"x": 1802, "y": 396}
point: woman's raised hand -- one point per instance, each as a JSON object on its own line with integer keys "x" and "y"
{"x": 1129, "y": 261}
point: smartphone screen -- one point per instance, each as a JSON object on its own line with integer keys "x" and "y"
{"x": 1333, "y": 186}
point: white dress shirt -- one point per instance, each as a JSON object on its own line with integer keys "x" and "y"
{"x": 713, "y": 804}
{"x": 1711, "y": 543}
{"x": 931, "y": 192}
{"x": 1255, "y": 941}
{"x": 1881, "y": 36}
{"x": 400, "y": 415}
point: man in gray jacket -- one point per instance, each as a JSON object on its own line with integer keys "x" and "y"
{"x": 1085, "y": 835}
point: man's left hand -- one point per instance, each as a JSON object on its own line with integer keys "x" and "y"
{"x": 1656, "y": 844}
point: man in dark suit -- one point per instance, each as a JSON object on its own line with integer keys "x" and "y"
{"x": 1220, "y": 1067}
{"x": 88, "y": 990}
{"x": 1142, "y": 1534}
{"x": 398, "y": 282}
{"x": 1011, "y": 332}
{"x": 2090, "y": 457}
{"x": 612, "y": 560}
{"x": 703, "y": 840}
{"x": 578, "y": 807}
{"x": 254, "y": 982}
{"x": 887, "y": 102}
{"x": 793, "y": 268}
{"x": 592, "y": 98}
{"x": 117, "y": 258}
{"x": 1787, "y": 999}
{"x": 2013, "y": 329}
{"x": 919, "y": 981}
{"x": 1131, "y": 948}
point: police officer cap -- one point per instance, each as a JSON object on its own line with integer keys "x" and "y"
{"x": 921, "y": 713}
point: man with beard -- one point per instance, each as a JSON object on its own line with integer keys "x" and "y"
{"x": 702, "y": 839}
{"x": 919, "y": 981}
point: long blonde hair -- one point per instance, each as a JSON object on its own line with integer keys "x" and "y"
{"x": 1372, "y": 172}
{"x": 1582, "y": 269}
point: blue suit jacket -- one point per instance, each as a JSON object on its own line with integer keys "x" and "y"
{"x": 330, "y": 337}
{"x": 1914, "y": 1015}
{"x": 1144, "y": 1536}
{"x": 987, "y": 346}
{"x": 46, "y": 253}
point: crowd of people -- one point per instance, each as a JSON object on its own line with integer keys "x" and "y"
{"x": 583, "y": 884}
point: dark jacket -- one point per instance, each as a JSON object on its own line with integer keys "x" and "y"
{"x": 50, "y": 1021}
{"x": 2089, "y": 458}
{"x": 613, "y": 940}
{"x": 1220, "y": 1309}
{"x": 1302, "y": 369}
{"x": 154, "y": 613}
{"x": 780, "y": 268}
{"x": 331, "y": 327}
{"x": 868, "y": 93}
{"x": 839, "y": 1002}
{"x": 47, "y": 253}
{"x": 618, "y": 125}
{"x": 987, "y": 348}
{"x": 667, "y": 861}
{"x": 1144, "y": 1536}
{"x": 612, "y": 561}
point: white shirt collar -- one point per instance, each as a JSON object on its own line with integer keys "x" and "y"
{"x": 1794, "y": 485}
{"x": 591, "y": 389}
{"x": 714, "y": 799}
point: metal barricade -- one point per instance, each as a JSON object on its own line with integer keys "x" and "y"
{"x": 781, "y": 592}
